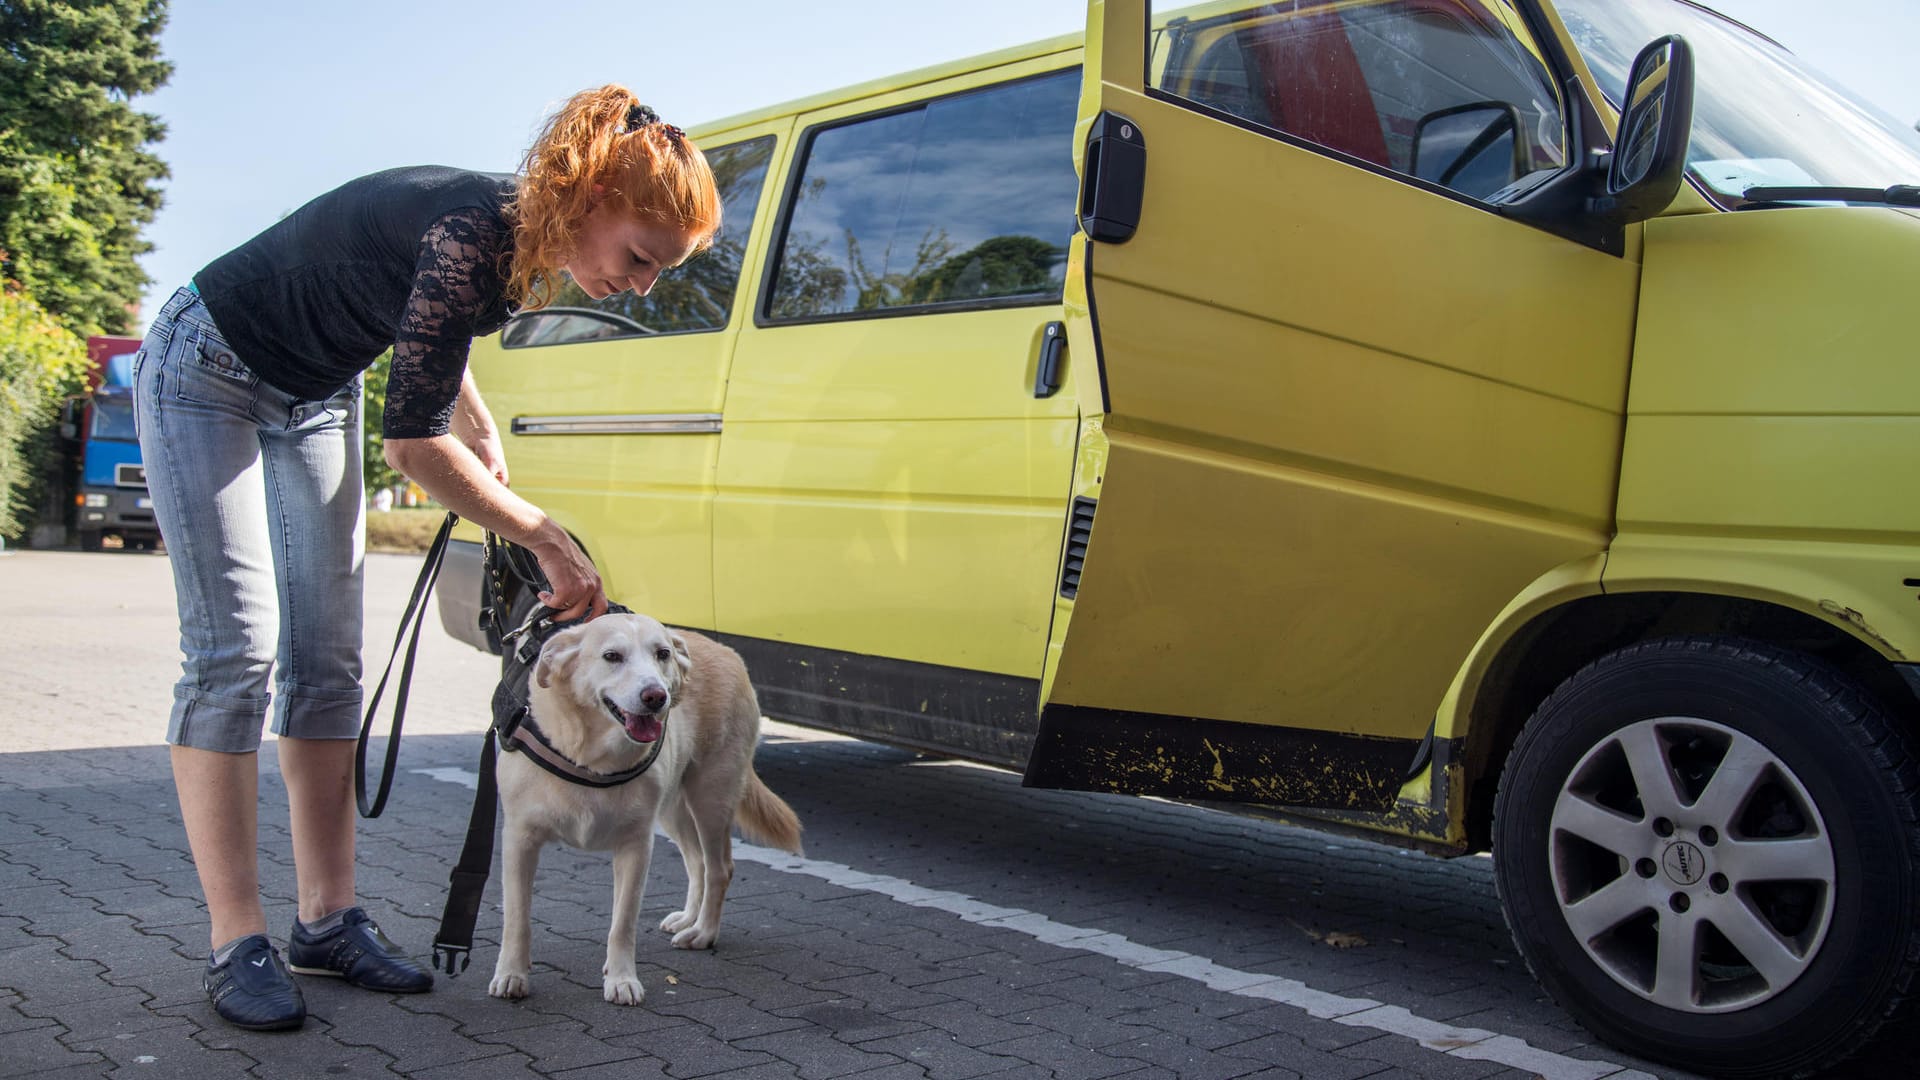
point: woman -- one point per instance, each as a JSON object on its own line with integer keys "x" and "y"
{"x": 248, "y": 399}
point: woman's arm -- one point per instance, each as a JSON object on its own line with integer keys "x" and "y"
{"x": 440, "y": 434}
{"x": 452, "y": 474}
{"x": 474, "y": 426}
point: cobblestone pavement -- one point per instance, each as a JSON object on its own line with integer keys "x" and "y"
{"x": 946, "y": 923}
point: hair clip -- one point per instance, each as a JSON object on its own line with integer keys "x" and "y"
{"x": 672, "y": 132}
{"x": 639, "y": 116}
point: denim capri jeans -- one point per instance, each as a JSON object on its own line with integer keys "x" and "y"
{"x": 258, "y": 495}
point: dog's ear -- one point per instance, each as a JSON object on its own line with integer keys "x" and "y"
{"x": 558, "y": 654}
{"x": 682, "y": 659}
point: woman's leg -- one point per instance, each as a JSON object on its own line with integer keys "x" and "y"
{"x": 315, "y": 516}
{"x": 200, "y": 444}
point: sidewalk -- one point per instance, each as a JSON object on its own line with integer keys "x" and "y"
{"x": 949, "y": 925}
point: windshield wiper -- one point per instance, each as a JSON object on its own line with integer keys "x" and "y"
{"x": 1897, "y": 195}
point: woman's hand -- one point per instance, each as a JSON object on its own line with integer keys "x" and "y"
{"x": 575, "y": 590}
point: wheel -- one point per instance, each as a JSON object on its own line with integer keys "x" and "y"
{"x": 92, "y": 540}
{"x": 1708, "y": 850}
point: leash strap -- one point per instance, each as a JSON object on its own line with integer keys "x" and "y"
{"x": 415, "y": 615}
{"x": 453, "y": 945}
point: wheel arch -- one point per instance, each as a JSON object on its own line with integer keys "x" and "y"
{"x": 1553, "y": 644}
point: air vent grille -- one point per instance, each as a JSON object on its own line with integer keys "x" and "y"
{"x": 1079, "y": 534}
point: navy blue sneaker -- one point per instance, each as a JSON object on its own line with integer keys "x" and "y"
{"x": 358, "y": 952}
{"x": 251, "y": 990}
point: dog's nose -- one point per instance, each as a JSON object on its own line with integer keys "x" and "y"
{"x": 654, "y": 698}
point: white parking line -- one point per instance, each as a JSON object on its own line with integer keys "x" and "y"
{"x": 1474, "y": 1043}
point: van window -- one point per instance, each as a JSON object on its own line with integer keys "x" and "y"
{"x": 962, "y": 200}
{"x": 693, "y": 297}
{"x": 1452, "y": 91}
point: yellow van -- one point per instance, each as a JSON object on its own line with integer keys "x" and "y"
{"x": 1305, "y": 406}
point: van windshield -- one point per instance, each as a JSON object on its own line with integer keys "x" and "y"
{"x": 1760, "y": 117}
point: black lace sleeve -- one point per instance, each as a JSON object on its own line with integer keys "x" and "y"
{"x": 457, "y": 294}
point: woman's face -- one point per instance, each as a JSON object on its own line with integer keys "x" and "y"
{"x": 615, "y": 252}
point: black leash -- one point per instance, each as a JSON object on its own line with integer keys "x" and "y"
{"x": 512, "y": 729}
{"x": 415, "y": 615}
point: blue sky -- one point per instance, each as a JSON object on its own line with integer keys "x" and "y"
{"x": 272, "y": 103}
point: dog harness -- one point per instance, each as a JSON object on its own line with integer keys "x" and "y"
{"x": 513, "y": 716}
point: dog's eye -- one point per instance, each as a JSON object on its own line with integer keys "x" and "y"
{"x": 613, "y": 656}
{"x": 663, "y": 654}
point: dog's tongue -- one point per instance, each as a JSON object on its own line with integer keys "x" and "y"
{"x": 640, "y": 728}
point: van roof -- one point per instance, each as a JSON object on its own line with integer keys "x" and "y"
{"x": 1064, "y": 44}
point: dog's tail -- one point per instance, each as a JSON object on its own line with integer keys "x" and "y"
{"x": 765, "y": 818}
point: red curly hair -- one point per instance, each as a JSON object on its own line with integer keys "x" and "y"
{"x": 603, "y": 138}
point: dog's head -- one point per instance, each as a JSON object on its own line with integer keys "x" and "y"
{"x": 627, "y": 667}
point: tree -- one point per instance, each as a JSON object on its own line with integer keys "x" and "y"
{"x": 373, "y": 402}
{"x": 77, "y": 184}
{"x": 41, "y": 363}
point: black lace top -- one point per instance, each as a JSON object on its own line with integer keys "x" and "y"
{"x": 414, "y": 258}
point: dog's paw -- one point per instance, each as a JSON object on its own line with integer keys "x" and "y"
{"x": 623, "y": 990}
{"x": 509, "y": 985}
{"x": 696, "y": 937}
{"x": 676, "y": 922}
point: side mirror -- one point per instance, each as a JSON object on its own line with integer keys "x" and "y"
{"x": 1474, "y": 149}
{"x": 1649, "y": 159}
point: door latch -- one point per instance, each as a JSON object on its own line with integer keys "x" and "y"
{"x": 1116, "y": 179}
{"x": 1047, "y": 373}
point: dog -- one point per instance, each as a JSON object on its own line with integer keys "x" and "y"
{"x": 604, "y": 693}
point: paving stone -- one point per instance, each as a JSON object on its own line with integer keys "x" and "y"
{"x": 1184, "y": 1059}
{"x": 558, "y": 1046}
{"x": 1291, "y": 1052}
{"x": 691, "y": 1051}
{"x": 817, "y": 1054}
{"x": 993, "y": 998}
{"x": 417, "y": 1041}
{"x": 31, "y": 1049}
{"x": 503, "y": 1067}
{"x": 902, "y": 1071}
{"x": 881, "y": 991}
{"x": 1086, "y": 1027}
{"x": 731, "y": 1018}
{"x": 945, "y": 1057}
{"x": 1059, "y": 1055}
{"x": 1405, "y": 1054}
{"x": 850, "y": 1022}
{"x": 642, "y": 1068}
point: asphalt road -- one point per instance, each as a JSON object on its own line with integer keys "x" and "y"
{"x": 945, "y": 922}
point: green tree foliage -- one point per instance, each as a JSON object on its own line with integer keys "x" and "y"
{"x": 373, "y": 402}
{"x": 41, "y": 363}
{"x": 77, "y": 184}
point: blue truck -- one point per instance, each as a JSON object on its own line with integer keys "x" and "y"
{"x": 108, "y": 481}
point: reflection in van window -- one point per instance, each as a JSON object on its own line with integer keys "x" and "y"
{"x": 962, "y": 199}
{"x": 695, "y": 296}
{"x": 1408, "y": 85}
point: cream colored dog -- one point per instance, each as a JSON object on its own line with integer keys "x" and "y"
{"x": 603, "y": 693}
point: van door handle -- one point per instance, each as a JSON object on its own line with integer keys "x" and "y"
{"x": 1116, "y": 179}
{"x": 1046, "y": 373}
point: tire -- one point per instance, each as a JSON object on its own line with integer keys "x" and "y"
{"x": 1661, "y": 786}
{"x": 92, "y": 540}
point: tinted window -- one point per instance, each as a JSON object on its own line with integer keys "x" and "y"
{"x": 696, "y": 296}
{"x": 1453, "y": 91}
{"x": 968, "y": 198}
